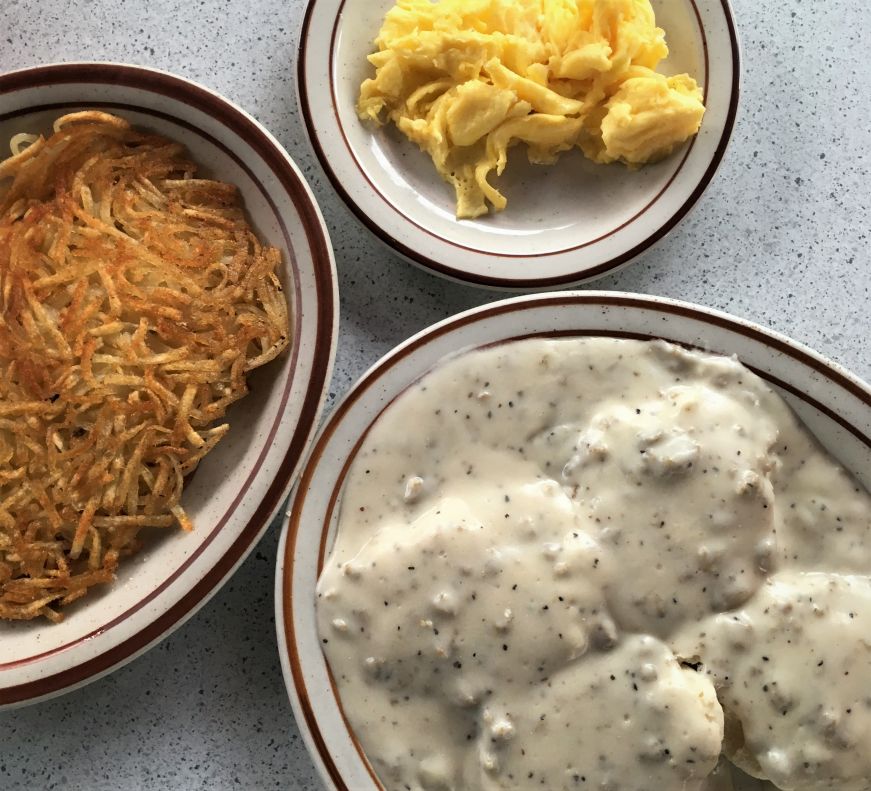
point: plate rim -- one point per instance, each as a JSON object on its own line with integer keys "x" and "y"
{"x": 290, "y": 656}
{"x": 568, "y": 279}
{"x": 288, "y": 464}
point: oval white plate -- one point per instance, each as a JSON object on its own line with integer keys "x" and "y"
{"x": 564, "y": 224}
{"x": 832, "y": 402}
{"x": 238, "y": 488}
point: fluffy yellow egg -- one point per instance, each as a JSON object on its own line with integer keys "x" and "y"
{"x": 467, "y": 79}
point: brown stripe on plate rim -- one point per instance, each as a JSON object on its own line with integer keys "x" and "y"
{"x": 684, "y": 310}
{"x": 253, "y": 135}
{"x": 503, "y": 282}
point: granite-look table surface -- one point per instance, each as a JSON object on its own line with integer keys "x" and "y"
{"x": 780, "y": 237}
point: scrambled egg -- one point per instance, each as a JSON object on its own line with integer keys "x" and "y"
{"x": 466, "y": 79}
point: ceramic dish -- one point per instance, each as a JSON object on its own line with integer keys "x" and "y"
{"x": 239, "y": 487}
{"x": 564, "y": 224}
{"x": 834, "y": 404}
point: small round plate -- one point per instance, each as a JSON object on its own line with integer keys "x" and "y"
{"x": 833, "y": 403}
{"x": 564, "y": 224}
{"x": 240, "y": 485}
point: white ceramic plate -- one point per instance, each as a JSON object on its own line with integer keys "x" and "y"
{"x": 564, "y": 224}
{"x": 832, "y": 402}
{"x": 239, "y": 487}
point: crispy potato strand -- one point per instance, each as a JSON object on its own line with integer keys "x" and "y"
{"x": 134, "y": 297}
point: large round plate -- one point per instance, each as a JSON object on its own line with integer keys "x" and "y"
{"x": 564, "y": 224}
{"x": 239, "y": 487}
{"x": 832, "y": 402}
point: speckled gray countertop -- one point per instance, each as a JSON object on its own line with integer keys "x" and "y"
{"x": 781, "y": 237}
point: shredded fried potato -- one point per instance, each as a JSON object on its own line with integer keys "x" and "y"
{"x": 134, "y": 298}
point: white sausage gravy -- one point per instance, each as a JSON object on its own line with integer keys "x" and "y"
{"x": 600, "y": 564}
